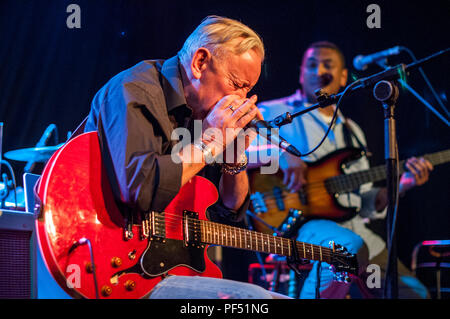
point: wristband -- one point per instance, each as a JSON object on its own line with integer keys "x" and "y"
{"x": 206, "y": 150}
{"x": 233, "y": 169}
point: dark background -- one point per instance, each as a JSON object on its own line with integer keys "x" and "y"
{"x": 49, "y": 73}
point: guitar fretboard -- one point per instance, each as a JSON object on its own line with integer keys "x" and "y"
{"x": 224, "y": 235}
{"x": 350, "y": 182}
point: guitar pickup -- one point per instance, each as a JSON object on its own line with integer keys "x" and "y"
{"x": 278, "y": 194}
{"x": 158, "y": 225}
{"x": 191, "y": 229}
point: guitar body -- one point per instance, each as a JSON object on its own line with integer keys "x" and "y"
{"x": 315, "y": 202}
{"x": 78, "y": 203}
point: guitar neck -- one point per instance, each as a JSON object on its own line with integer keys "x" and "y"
{"x": 350, "y": 182}
{"x": 224, "y": 235}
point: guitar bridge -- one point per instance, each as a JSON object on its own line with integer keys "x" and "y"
{"x": 258, "y": 203}
{"x": 145, "y": 226}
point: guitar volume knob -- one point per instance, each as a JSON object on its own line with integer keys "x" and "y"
{"x": 130, "y": 285}
{"x": 116, "y": 262}
{"x": 89, "y": 268}
{"x": 106, "y": 291}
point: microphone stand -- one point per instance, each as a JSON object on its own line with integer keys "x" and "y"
{"x": 387, "y": 93}
{"x": 417, "y": 95}
{"x": 385, "y": 90}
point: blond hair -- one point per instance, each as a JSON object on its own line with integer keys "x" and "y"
{"x": 218, "y": 34}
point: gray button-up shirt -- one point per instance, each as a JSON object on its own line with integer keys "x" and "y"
{"x": 134, "y": 115}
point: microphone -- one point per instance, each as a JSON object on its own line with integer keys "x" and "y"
{"x": 264, "y": 129}
{"x": 42, "y": 142}
{"x": 360, "y": 62}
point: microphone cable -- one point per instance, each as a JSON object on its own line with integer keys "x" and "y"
{"x": 84, "y": 241}
{"x": 333, "y": 119}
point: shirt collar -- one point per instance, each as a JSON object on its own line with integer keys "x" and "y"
{"x": 172, "y": 84}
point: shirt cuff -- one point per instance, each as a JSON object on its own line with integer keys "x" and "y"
{"x": 222, "y": 214}
{"x": 169, "y": 175}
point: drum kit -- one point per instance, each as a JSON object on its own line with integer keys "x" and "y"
{"x": 33, "y": 154}
{"x": 11, "y": 195}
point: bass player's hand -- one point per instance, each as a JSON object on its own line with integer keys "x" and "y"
{"x": 294, "y": 170}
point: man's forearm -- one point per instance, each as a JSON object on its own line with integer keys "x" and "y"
{"x": 193, "y": 162}
{"x": 381, "y": 199}
{"x": 233, "y": 189}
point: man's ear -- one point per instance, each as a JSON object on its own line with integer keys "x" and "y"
{"x": 344, "y": 78}
{"x": 200, "y": 60}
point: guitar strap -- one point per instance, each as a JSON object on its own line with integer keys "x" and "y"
{"x": 349, "y": 133}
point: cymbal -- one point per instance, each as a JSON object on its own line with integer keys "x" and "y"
{"x": 35, "y": 154}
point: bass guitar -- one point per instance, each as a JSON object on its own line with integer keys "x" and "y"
{"x": 272, "y": 203}
{"x": 93, "y": 251}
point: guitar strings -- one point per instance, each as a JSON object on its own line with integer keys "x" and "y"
{"x": 215, "y": 237}
{"x": 269, "y": 198}
{"x": 334, "y": 181}
{"x": 313, "y": 186}
{"x": 271, "y": 203}
{"x": 345, "y": 181}
{"x": 314, "y": 192}
{"x": 354, "y": 177}
{"x": 288, "y": 195}
{"x": 174, "y": 220}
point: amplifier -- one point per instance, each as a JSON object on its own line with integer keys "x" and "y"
{"x": 23, "y": 272}
{"x": 17, "y": 255}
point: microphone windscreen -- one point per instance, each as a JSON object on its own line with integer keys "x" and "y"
{"x": 357, "y": 63}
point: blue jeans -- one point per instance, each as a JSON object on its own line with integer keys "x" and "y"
{"x": 185, "y": 287}
{"x": 321, "y": 232}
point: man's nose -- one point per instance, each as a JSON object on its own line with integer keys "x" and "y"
{"x": 321, "y": 70}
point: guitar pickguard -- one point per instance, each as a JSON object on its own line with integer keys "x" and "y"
{"x": 164, "y": 255}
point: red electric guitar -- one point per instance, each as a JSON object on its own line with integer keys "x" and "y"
{"x": 87, "y": 245}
